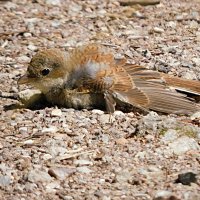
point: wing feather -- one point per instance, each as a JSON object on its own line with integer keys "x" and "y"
{"x": 161, "y": 97}
{"x": 99, "y": 72}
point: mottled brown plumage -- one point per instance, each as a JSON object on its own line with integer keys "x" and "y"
{"x": 90, "y": 77}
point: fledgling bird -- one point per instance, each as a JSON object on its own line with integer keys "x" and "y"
{"x": 90, "y": 77}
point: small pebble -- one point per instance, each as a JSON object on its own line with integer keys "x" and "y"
{"x": 171, "y": 24}
{"x": 53, "y": 2}
{"x": 169, "y": 136}
{"x": 23, "y": 130}
{"x": 195, "y": 116}
{"x": 158, "y": 30}
{"x": 82, "y": 162}
{"x": 183, "y": 144}
{"x": 95, "y": 111}
{"x": 51, "y": 129}
{"x": 35, "y": 176}
{"x": 198, "y": 36}
{"x": 61, "y": 173}
{"x": 186, "y": 178}
{"x": 118, "y": 113}
{"x": 122, "y": 141}
{"x": 106, "y": 118}
{"x": 56, "y": 112}
{"x": 84, "y": 169}
{"x": 27, "y": 34}
{"x": 23, "y": 59}
{"x": 28, "y": 142}
{"x": 5, "y": 181}
{"x": 32, "y": 47}
{"x": 163, "y": 195}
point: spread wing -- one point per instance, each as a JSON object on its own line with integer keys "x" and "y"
{"x": 161, "y": 97}
{"x": 99, "y": 72}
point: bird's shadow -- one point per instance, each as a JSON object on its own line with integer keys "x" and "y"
{"x": 41, "y": 103}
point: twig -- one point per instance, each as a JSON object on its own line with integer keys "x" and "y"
{"x": 140, "y": 2}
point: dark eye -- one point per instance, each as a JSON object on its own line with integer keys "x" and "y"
{"x": 45, "y": 72}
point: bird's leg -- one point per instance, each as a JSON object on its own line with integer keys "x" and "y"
{"x": 110, "y": 104}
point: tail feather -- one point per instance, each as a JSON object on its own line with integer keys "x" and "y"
{"x": 185, "y": 85}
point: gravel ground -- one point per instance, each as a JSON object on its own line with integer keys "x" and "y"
{"x": 58, "y": 153}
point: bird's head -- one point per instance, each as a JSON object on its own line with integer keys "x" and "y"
{"x": 46, "y": 70}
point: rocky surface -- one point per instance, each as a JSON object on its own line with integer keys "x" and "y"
{"x": 59, "y": 153}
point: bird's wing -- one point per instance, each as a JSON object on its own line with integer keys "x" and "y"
{"x": 96, "y": 70}
{"x": 184, "y": 85}
{"x": 116, "y": 83}
{"x": 160, "y": 96}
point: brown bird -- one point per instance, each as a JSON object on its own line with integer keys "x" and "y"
{"x": 90, "y": 77}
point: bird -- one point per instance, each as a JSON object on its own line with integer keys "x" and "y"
{"x": 89, "y": 76}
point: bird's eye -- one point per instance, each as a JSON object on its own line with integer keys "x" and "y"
{"x": 45, "y": 72}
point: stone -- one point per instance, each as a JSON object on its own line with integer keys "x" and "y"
{"x": 30, "y": 187}
{"x": 194, "y": 25}
{"x": 105, "y": 138}
{"x": 35, "y": 176}
{"x": 67, "y": 197}
{"x": 152, "y": 172}
{"x": 23, "y": 130}
{"x": 26, "y": 34}
{"x": 95, "y": 111}
{"x": 158, "y": 30}
{"x": 56, "y": 112}
{"x": 51, "y": 187}
{"x": 196, "y": 61}
{"x": 198, "y": 36}
{"x": 182, "y": 145}
{"x": 82, "y": 162}
{"x": 32, "y": 47}
{"x": 47, "y": 156}
{"x": 53, "y": 2}
{"x": 163, "y": 195}
{"x": 122, "y": 141}
{"x": 5, "y": 181}
{"x": 28, "y": 142}
{"x": 84, "y": 169}
{"x": 51, "y": 129}
{"x": 169, "y": 136}
{"x": 118, "y": 113}
{"x": 61, "y": 173}
{"x": 186, "y": 178}
{"x": 1, "y": 145}
{"x": 23, "y": 59}
{"x": 171, "y": 24}
{"x": 106, "y": 118}
{"x": 195, "y": 116}
{"x": 123, "y": 176}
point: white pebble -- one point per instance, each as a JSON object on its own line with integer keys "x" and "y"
{"x": 95, "y": 111}
{"x": 27, "y": 34}
{"x": 32, "y": 47}
{"x": 51, "y": 129}
{"x": 56, "y": 112}
{"x": 158, "y": 30}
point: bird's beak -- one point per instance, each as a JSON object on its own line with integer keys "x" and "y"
{"x": 24, "y": 79}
